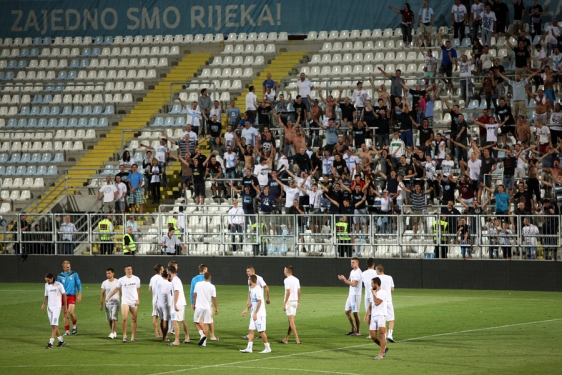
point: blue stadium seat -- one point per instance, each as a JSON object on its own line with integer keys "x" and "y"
{"x": 74, "y": 64}
{"x": 46, "y": 158}
{"x": 55, "y": 111}
{"x": 69, "y": 111}
{"x": 38, "y": 111}
{"x": 53, "y": 123}
{"x": 36, "y": 41}
{"x": 25, "y": 158}
{"x": 59, "y": 88}
{"x": 176, "y": 109}
{"x": 98, "y": 41}
{"x": 22, "y": 123}
{"x": 59, "y": 158}
{"x": 47, "y": 41}
{"x": 93, "y": 122}
{"x": 108, "y": 40}
{"x": 10, "y": 171}
{"x": 31, "y": 170}
{"x": 15, "y": 159}
{"x": 32, "y": 123}
{"x": 20, "y": 171}
{"x": 72, "y": 123}
{"x": 41, "y": 171}
{"x": 62, "y": 75}
{"x": 87, "y": 110}
{"x": 3, "y": 170}
{"x": 22, "y": 64}
{"x": 12, "y": 64}
{"x": 96, "y": 52}
{"x": 109, "y": 110}
{"x": 34, "y": 52}
{"x": 138, "y": 156}
{"x": 3, "y": 158}
{"x": 42, "y": 123}
{"x": 24, "y": 52}
{"x": 108, "y": 170}
{"x": 83, "y": 122}
{"x": 47, "y": 99}
{"x": 71, "y": 75}
{"x": 1, "y": 76}
{"x": 158, "y": 121}
{"x": 84, "y": 63}
{"x": 97, "y": 111}
{"x": 52, "y": 171}
{"x": 86, "y": 52}
{"x": 103, "y": 122}
{"x": 36, "y": 158}
{"x": 12, "y": 123}
{"x": 50, "y": 87}
{"x": 180, "y": 121}
{"x": 169, "y": 121}
{"x": 25, "y": 111}
{"x": 37, "y": 99}
{"x": 9, "y": 76}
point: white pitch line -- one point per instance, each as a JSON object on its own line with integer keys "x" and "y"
{"x": 98, "y": 365}
{"x": 294, "y": 369}
{"x": 355, "y": 346}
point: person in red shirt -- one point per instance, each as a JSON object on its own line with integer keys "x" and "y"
{"x": 485, "y": 119}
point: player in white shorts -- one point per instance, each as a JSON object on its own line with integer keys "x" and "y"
{"x": 152, "y": 289}
{"x": 387, "y": 284}
{"x": 353, "y": 302}
{"x": 112, "y": 306}
{"x": 377, "y": 310}
{"x": 204, "y": 294}
{"x": 178, "y": 305}
{"x": 54, "y": 299}
{"x": 164, "y": 303}
{"x": 129, "y": 286}
{"x": 257, "y": 317}
{"x": 366, "y": 278}
{"x": 291, "y": 303}
{"x": 250, "y": 270}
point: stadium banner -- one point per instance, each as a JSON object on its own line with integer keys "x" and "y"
{"x": 44, "y": 18}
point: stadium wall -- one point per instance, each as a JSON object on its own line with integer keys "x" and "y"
{"x": 32, "y": 18}
{"x": 407, "y": 273}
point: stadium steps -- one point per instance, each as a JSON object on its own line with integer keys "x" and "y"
{"x": 136, "y": 120}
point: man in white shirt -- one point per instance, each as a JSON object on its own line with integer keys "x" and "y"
{"x": 257, "y": 316}
{"x": 250, "y": 270}
{"x": 489, "y": 22}
{"x": 236, "y": 223}
{"x": 129, "y": 287}
{"x": 353, "y": 302}
{"x": 152, "y": 289}
{"x": 251, "y": 134}
{"x": 397, "y": 148}
{"x": 387, "y": 284}
{"x": 291, "y": 302}
{"x": 366, "y": 278}
{"x": 121, "y": 195}
{"x": 530, "y": 233}
{"x": 476, "y": 16}
{"x": 551, "y": 34}
{"x": 178, "y": 306}
{"x": 109, "y": 194}
{"x": 458, "y": 18}
{"x": 291, "y": 192}
{"x": 67, "y": 230}
{"x": 54, "y": 299}
{"x": 194, "y": 116}
{"x": 112, "y": 306}
{"x": 262, "y": 171}
{"x": 204, "y": 295}
{"x": 377, "y": 310}
{"x": 164, "y": 303}
{"x": 426, "y": 17}
{"x": 170, "y": 243}
{"x": 359, "y": 98}
{"x": 305, "y": 87}
{"x": 216, "y": 110}
{"x": 251, "y": 104}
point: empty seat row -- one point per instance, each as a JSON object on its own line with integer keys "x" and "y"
{"x": 194, "y": 96}
{"x": 238, "y": 61}
{"x": 28, "y": 182}
{"x": 72, "y": 122}
{"x": 230, "y": 49}
{"x": 359, "y": 57}
{"x": 36, "y": 158}
{"x": 255, "y": 37}
{"x": 31, "y": 170}
{"x": 15, "y": 195}
{"x": 16, "y": 146}
{"x": 16, "y": 42}
{"x": 68, "y": 110}
{"x": 68, "y": 134}
{"x": 360, "y": 69}
{"x": 227, "y": 73}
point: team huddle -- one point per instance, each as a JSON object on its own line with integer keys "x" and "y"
{"x": 168, "y": 304}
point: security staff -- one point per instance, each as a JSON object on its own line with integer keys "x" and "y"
{"x": 342, "y": 232}
{"x": 105, "y": 229}
{"x": 169, "y": 243}
{"x": 440, "y": 247}
{"x": 173, "y": 224}
{"x": 129, "y": 246}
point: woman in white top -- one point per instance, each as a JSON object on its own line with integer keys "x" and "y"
{"x": 386, "y": 209}
{"x": 155, "y": 181}
{"x": 127, "y": 160}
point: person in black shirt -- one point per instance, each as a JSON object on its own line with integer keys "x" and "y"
{"x": 302, "y": 160}
{"x": 475, "y": 211}
{"x": 518, "y": 14}
{"x": 198, "y": 181}
{"x": 522, "y": 56}
{"x": 524, "y": 196}
{"x": 425, "y": 132}
{"x": 535, "y": 12}
{"x": 247, "y": 198}
{"x": 502, "y": 15}
{"x": 503, "y": 112}
{"x": 477, "y": 48}
{"x": 214, "y": 130}
{"x": 451, "y": 214}
{"x": 449, "y": 185}
{"x": 250, "y": 181}
{"x": 298, "y": 210}
{"x": 382, "y": 127}
{"x": 523, "y": 38}
{"x": 300, "y": 110}
{"x": 333, "y": 194}
{"x": 347, "y": 110}
{"x": 509, "y": 163}
{"x": 264, "y": 109}
{"x": 461, "y": 131}
{"x": 339, "y": 166}
{"x": 360, "y": 131}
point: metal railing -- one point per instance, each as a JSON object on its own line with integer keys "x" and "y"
{"x": 424, "y": 235}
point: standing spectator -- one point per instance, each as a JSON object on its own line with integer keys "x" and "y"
{"x": 301, "y": 109}
{"x": 155, "y": 182}
{"x": 161, "y": 156}
{"x": 518, "y": 15}
{"x": 186, "y": 172}
{"x": 135, "y": 186}
{"x": 550, "y": 228}
{"x": 199, "y": 171}
{"x": 448, "y": 60}
{"x": 522, "y": 57}
{"x": 251, "y": 104}
{"x": 451, "y": 213}
{"x": 105, "y": 230}
{"x": 250, "y": 134}
{"x": 519, "y": 97}
{"x": 194, "y": 116}
{"x": 407, "y": 23}
{"x": 535, "y": 13}
{"x": 476, "y": 18}
{"x": 463, "y": 233}
{"x": 425, "y": 22}
{"x": 305, "y": 86}
{"x": 216, "y": 110}
{"x": 459, "y": 17}
{"x": 359, "y": 98}
{"x": 489, "y": 25}
{"x": 429, "y": 67}
{"x": 109, "y": 193}
{"x": 121, "y": 196}
{"x": 502, "y": 14}
{"x": 67, "y": 231}
{"x": 126, "y": 159}
{"x": 236, "y": 223}
{"x": 170, "y": 245}
{"x": 146, "y": 165}
{"x": 131, "y": 223}
{"x": 214, "y": 129}
{"x": 396, "y": 89}
{"x": 344, "y": 240}
{"x": 419, "y": 205}
{"x": 233, "y": 114}
{"x": 281, "y": 109}
{"x": 466, "y": 81}
{"x": 264, "y": 111}
{"x": 269, "y": 83}
{"x": 530, "y": 232}
{"x": 204, "y": 103}
{"x": 553, "y": 32}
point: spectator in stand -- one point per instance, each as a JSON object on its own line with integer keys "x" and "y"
{"x": 476, "y": 18}
{"x": 359, "y": 98}
{"x": 194, "y": 116}
{"x": 305, "y": 87}
{"x": 489, "y": 25}
{"x": 535, "y": 12}
{"x": 161, "y": 155}
{"x": 543, "y": 106}
{"x": 551, "y": 35}
{"x": 155, "y": 182}
{"x": 463, "y": 233}
{"x": 396, "y": 89}
{"x": 301, "y": 109}
{"x": 550, "y": 228}
{"x": 146, "y": 165}
{"x": 556, "y": 125}
{"x": 236, "y": 224}
{"x": 121, "y": 196}
{"x": 214, "y": 171}
{"x": 530, "y": 232}
{"x": 518, "y": 15}
{"x": 459, "y": 18}
{"x": 519, "y": 98}
{"x": 429, "y": 67}
{"x": 68, "y": 235}
{"x": 382, "y": 127}
{"x": 451, "y": 213}
{"x": 502, "y": 14}
{"x": 477, "y": 50}
{"x": 186, "y": 171}
{"x": 269, "y": 83}
{"x": 251, "y": 104}
{"x": 191, "y": 142}
{"x": 131, "y": 223}
{"x": 426, "y": 17}
{"x": 214, "y": 129}
{"x": 407, "y": 23}
{"x": 264, "y": 110}
{"x": 204, "y": 103}
{"x": 419, "y": 205}
{"x": 466, "y": 81}
{"x": 281, "y": 109}
{"x": 109, "y": 194}
{"x": 233, "y": 114}
{"x": 135, "y": 188}
{"x": 250, "y": 134}
{"x": 199, "y": 172}
{"x": 397, "y": 148}
{"x": 216, "y": 110}
{"x": 448, "y": 60}
{"x": 126, "y": 160}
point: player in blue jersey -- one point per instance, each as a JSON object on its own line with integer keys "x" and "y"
{"x": 73, "y": 288}
{"x": 201, "y": 277}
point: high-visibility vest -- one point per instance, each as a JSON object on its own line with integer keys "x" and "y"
{"x": 104, "y": 228}
{"x": 341, "y": 231}
{"x": 262, "y": 228}
{"x": 443, "y": 225}
{"x": 132, "y": 245}
{"x": 172, "y": 225}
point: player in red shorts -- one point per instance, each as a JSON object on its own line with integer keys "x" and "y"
{"x": 73, "y": 287}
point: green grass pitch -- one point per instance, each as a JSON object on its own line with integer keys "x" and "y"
{"x": 437, "y": 332}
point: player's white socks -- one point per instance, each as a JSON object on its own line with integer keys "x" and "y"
{"x": 201, "y": 333}
{"x": 390, "y": 332}
{"x": 250, "y": 345}
{"x": 74, "y": 326}
{"x": 61, "y": 339}
{"x": 51, "y": 341}
{"x": 267, "y": 345}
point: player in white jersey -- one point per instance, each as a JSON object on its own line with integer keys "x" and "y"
{"x": 129, "y": 286}
{"x": 353, "y": 302}
{"x": 164, "y": 302}
{"x": 387, "y": 284}
{"x": 54, "y": 299}
{"x": 250, "y": 270}
{"x": 291, "y": 303}
{"x": 152, "y": 289}
{"x": 377, "y": 310}
{"x": 111, "y": 307}
{"x": 257, "y": 317}
{"x": 204, "y": 295}
{"x": 178, "y": 305}
{"x": 183, "y": 323}
{"x": 366, "y": 278}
